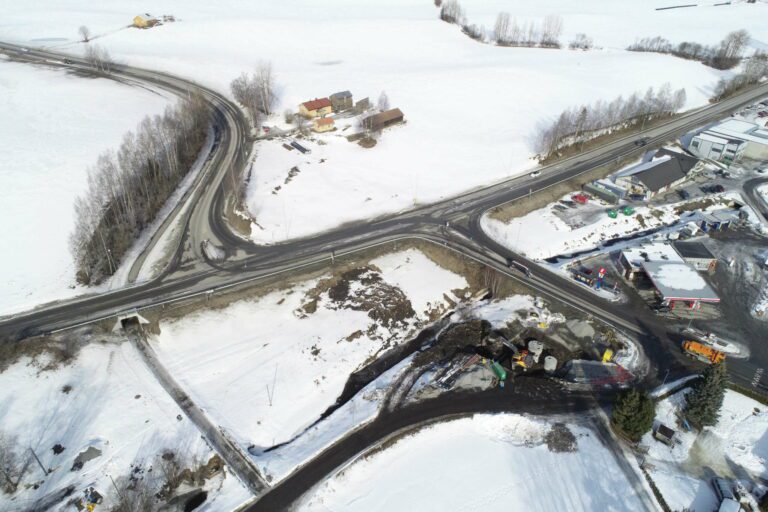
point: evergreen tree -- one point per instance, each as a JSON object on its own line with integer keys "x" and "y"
{"x": 633, "y": 413}
{"x": 703, "y": 403}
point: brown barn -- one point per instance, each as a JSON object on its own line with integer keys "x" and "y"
{"x": 380, "y": 121}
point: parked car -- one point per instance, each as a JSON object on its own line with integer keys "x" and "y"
{"x": 717, "y": 189}
{"x": 761, "y": 170}
{"x": 723, "y": 488}
{"x": 580, "y": 198}
{"x": 683, "y": 194}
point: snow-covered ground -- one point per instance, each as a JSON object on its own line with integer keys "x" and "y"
{"x": 734, "y": 448}
{"x": 486, "y": 462}
{"x": 53, "y": 127}
{"x": 451, "y": 89}
{"x": 113, "y": 404}
{"x": 265, "y": 369}
{"x": 618, "y": 23}
{"x": 543, "y": 233}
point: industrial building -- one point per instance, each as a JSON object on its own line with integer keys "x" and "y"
{"x": 731, "y": 140}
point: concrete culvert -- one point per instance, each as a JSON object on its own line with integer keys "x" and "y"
{"x": 195, "y": 501}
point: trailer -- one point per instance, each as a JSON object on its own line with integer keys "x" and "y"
{"x": 300, "y": 147}
{"x": 518, "y": 266}
{"x": 702, "y": 352}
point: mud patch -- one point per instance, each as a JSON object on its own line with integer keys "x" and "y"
{"x": 560, "y": 439}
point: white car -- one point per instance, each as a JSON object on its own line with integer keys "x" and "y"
{"x": 535, "y": 174}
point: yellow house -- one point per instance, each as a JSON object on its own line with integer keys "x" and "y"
{"x": 144, "y": 21}
{"x": 322, "y": 124}
{"x": 315, "y": 108}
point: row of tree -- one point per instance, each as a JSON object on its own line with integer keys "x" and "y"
{"x": 634, "y": 410}
{"x": 507, "y": 32}
{"x": 98, "y": 57}
{"x": 755, "y": 69}
{"x": 578, "y": 125}
{"x": 725, "y": 55}
{"x": 127, "y": 188}
{"x": 256, "y": 92}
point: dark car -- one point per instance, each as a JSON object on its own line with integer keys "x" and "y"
{"x": 683, "y": 194}
{"x": 717, "y": 189}
{"x": 641, "y": 142}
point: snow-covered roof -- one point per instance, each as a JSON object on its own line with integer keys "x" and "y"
{"x": 714, "y": 138}
{"x": 630, "y": 171}
{"x": 679, "y": 281}
{"x": 735, "y": 128}
{"x": 660, "y": 252}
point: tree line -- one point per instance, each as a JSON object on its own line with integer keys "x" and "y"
{"x": 507, "y": 32}
{"x": 578, "y": 125}
{"x": 256, "y": 92}
{"x": 754, "y": 70}
{"x": 127, "y": 188}
{"x": 725, "y": 55}
{"x": 634, "y": 410}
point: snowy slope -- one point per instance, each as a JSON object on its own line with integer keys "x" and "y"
{"x": 275, "y": 349}
{"x": 470, "y": 108}
{"x": 115, "y": 405}
{"x": 53, "y": 127}
{"x": 487, "y": 462}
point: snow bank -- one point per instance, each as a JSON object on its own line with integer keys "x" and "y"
{"x": 265, "y": 369}
{"x": 53, "y": 127}
{"x": 115, "y": 405}
{"x": 487, "y": 462}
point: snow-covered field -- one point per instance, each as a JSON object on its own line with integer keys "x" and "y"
{"x": 737, "y": 447}
{"x": 52, "y": 128}
{"x": 470, "y": 108}
{"x": 542, "y": 233}
{"x": 618, "y": 23}
{"x": 486, "y": 462}
{"x": 265, "y": 369}
{"x": 113, "y": 404}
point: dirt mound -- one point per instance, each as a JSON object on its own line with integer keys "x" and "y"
{"x": 560, "y": 439}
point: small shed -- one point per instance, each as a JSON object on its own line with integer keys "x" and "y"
{"x": 315, "y": 108}
{"x": 664, "y": 434}
{"x": 384, "y": 119}
{"x": 145, "y": 20}
{"x": 341, "y": 101}
{"x": 322, "y": 124}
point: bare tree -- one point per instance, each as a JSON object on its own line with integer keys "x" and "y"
{"x": 581, "y": 42}
{"x": 288, "y": 115}
{"x": 12, "y": 468}
{"x": 501, "y": 29}
{"x": 452, "y": 12}
{"x": 551, "y": 30}
{"x": 383, "y": 103}
{"x": 265, "y": 87}
{"x": 98, "y": 58}
{"x": 300, "y": 124}
{"x": 85, "y": 33}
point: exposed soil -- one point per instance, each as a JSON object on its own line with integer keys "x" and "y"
{"x": 560, "y": 439}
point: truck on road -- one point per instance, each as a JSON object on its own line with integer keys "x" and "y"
{"x": 702, "y": 352}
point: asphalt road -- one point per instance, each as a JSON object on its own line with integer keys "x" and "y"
{"x": 453, "y": 222}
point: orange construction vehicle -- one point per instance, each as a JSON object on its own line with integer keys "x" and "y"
{"x": 702, "y": 352}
